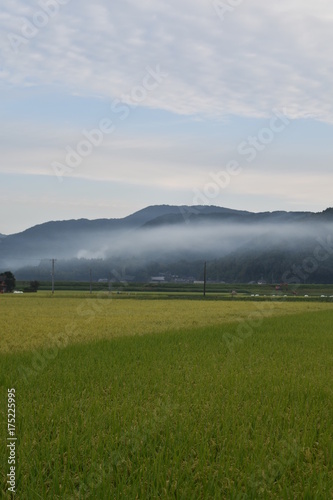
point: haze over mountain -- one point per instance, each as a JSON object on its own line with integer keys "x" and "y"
{"x": 238, "y": 245}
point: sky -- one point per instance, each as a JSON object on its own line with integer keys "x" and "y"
{"x": 110, "y": 106}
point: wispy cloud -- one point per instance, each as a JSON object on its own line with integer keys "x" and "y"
{"x": 61, "y": 70}
{"x": 263, "y": 55}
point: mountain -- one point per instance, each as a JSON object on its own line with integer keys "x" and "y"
{"x": 75, "y": 238}
{"x": 238, "y": 245}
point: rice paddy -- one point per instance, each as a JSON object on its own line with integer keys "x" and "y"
{"x": 168, "y": 399}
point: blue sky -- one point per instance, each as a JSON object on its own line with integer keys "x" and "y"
{"x": 167, "y": 95}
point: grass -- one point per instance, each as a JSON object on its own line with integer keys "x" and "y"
{"x": 217, "y": 289}
{"x": 30, "y": 321}
{"x": 200, "y": 411}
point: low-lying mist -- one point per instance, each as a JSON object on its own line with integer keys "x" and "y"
{"x": 207, "y": 241}
{"x": 168, "y": 243}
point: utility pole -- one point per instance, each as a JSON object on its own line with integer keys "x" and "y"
{"x": 90, "y": 280}
{"x": 52, "y": 274}
{"x": 109, "y": 283}
{"x": 205, "y": 279}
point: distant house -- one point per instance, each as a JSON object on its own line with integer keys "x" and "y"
{"x": 3, "y": 287}
{"x": 157, "y": 279}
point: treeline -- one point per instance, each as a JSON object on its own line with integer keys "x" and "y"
{"x": 241, "y": 267}
{"x": 273, "y": 267}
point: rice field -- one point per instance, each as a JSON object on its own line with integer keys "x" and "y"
{"x": 35, "y": 321}
{"x": 168, "y": 399}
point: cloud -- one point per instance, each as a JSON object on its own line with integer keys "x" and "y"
{"x": 290, "y": 188}
{"x": 224, "y": 80}
{"x": 262, "y": 56}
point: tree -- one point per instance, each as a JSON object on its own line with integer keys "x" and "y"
{"x": 34, "y": 285}
{"x": 10, "y": 281}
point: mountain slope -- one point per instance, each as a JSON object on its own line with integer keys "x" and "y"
{"x": 238, "y": 244}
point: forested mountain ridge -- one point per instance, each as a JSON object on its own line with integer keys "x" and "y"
{"x": 238, "y": 245}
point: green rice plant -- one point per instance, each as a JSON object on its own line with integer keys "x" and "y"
{"x": 178, "y": 415}
{"x": 44, "y": 321}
